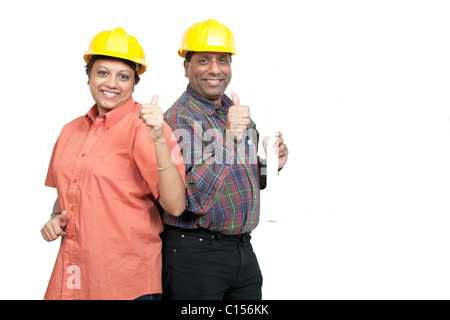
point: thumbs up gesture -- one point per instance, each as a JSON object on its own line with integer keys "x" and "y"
{"x": 238, "y": 118}
{"x": 152, "y": 116}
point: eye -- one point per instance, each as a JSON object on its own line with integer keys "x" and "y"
{"x": 102, "y": 73}
{"x": 124, "y": 77}
{"x": 224, "y": 60}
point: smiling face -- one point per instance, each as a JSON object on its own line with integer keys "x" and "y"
{"x": 209, "y": 74}
{"x": 111, "y": 83}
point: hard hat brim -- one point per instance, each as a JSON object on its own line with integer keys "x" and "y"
{"x": 142, "y": 65}
{"x": 182, "y": 51}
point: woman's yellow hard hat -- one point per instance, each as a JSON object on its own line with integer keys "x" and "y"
{"x": 209, "y": 35}
{"x": 116, "y": 43}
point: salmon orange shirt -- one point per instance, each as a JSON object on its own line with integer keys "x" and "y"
{"x": 104, "y": 169}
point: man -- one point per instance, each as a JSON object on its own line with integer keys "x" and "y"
{"x": 207, "y": 252}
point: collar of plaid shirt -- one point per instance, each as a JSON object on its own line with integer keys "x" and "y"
{"x": 222, "y": 196}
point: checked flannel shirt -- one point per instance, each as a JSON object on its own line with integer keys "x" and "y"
{"x": 222, "y": 179}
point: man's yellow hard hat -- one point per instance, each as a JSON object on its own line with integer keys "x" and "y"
{"x": 209, "y": 35}
{"x": 116, "y": 43}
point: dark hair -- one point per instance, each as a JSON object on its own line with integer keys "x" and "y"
{"x": 131, "y": 64}
{"x": 189, "y": 55}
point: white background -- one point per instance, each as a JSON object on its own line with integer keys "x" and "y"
{"x": 360, "y": 90}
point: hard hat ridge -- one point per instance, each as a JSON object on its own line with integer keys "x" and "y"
{"x": 208, "y": 35}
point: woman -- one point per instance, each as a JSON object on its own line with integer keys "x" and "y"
{"x": 112, "y": 168}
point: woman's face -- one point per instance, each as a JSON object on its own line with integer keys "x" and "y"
{"x": 111, "y": 83}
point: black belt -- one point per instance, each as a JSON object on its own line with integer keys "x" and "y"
{"x": 216, "y": 235}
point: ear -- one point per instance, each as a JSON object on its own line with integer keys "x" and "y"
{"x": 186, "y": 68}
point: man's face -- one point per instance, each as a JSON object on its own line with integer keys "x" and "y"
{"x": 209, "y": 74}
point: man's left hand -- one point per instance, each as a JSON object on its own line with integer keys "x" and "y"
{"x": 281, "y": 149}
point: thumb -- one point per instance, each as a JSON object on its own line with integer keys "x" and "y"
{"x": 155, "y": 99}
{"x": 63, "y": 219}
{"x": 235, "y": 99}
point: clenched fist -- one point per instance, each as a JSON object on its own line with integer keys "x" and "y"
{"x": 55, "y": 227}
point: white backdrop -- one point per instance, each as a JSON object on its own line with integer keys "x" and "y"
{"x": 360, "y": 90}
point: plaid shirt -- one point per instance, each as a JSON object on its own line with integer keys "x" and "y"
{"x": 222, "y": 179}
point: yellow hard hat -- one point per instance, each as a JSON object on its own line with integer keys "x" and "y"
{"x": 116, "y": 43}
{"x": 209, "y": 35}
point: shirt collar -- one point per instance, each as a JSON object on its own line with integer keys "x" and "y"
{"x": 111, "y": 117}
{"x": 209, "y": 106}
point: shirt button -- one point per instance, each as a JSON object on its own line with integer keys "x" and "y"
{"x": 74, "y": 180}
{"x": 82, "y": 155}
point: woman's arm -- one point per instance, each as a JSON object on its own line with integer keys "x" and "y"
{"x": 56, "y": 207}
{"x": 171, "y": 186}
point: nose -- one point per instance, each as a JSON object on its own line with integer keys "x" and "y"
{"x": 214, "y": 67}
{"x": 112, "y": 82}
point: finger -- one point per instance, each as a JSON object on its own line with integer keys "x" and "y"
{"x": 281, "y": 149}
{"x": 278, "y": 134}
{"x": 152, "y": 112}
{"x": 142, "y": 111}
{"x": 242, "y": 111}
{"x": 278, "y": 143}
{"x": 284, "y": 150}
{"x": 284, "y": 153}
{"x": 153, "y": 120}
{"x": 235, "y": 99}
{"x": 58, "y": 230}
{"x": 149, "y": 116}
{"x": 52, "y": 232}
{"x": 155, "y": 100}
{"x": 154, "y": 123}
{"x": 146, "y": 110}
{"x": 44, "y": 235}
{"x": 244, "y": 122}
{"x": 240, "y": 108}
{"x": 63, "y": 219}
{"x": 241, "y": 128}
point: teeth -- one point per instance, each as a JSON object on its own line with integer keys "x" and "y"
{"x": 213, "y": 81}
{"x": 111, "y": 94}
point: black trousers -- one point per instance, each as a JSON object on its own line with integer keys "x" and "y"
{"x": 202, "y": 265}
